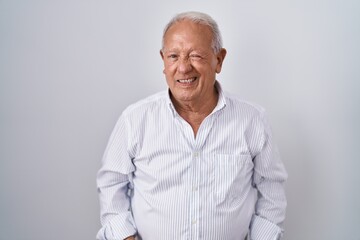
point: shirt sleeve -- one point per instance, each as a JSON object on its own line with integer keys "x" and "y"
{"x": 269, "y": 178}
{"x": 113, "y": 184}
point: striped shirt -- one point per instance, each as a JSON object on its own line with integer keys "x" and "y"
{"x": 158, "y": 181}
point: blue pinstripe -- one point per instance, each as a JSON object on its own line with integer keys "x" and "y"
{"x": 160, "y": 182}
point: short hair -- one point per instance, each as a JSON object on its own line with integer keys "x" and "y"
{"x": 200, "y": 18}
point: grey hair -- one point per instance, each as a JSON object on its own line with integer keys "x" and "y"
{"x": 200, "y": 18}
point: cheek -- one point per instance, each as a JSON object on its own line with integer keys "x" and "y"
{"x": 169, "y": 73}
{"x": 169, "y": 68}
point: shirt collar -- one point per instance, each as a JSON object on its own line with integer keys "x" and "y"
{"x": 220, "y": 104}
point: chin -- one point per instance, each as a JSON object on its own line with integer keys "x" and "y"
{"x": 181, "y": 97}
{"x": 184, "y": 95}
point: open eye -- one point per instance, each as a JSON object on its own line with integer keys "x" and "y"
{"x": 172, "y": 56}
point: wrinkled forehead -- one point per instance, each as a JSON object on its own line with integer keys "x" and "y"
{"x": 186, "y": 34}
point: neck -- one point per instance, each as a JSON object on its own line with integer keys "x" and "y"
{"x": 194, "y": 112}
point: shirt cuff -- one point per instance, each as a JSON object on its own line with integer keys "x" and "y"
{"x": 115, "y": 229}
{"x": 262, "y": 229}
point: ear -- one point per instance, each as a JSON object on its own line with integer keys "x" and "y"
{"x": 162, "y": 57}
{"x": 162, "y": 54}
{"x": 220, "y": 59}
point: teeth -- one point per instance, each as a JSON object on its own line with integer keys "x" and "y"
{"x": 187, "y": 80}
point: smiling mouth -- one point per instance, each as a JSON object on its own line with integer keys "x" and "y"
{"x": 189, "y": 80}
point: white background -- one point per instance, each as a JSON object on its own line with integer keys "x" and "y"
{"x": 69, "y": 68}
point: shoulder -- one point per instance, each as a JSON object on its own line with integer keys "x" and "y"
{"x": 241, "y": 106}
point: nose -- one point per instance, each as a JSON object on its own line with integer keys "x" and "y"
{"x": 184, "y": 65}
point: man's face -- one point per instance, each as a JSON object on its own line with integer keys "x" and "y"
{"x": 190, "y": 64}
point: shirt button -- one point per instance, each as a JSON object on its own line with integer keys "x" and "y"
{"x": 194, "y": 222}
{"x": 196, "y": 154}
{"x": 195, "y": 189}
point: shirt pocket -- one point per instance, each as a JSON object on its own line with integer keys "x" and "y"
{"x": 231, "y": 175}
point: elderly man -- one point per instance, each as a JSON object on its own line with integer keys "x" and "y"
{"x": 192, "y": 162}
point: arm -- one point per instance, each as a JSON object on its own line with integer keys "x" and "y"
{"x": 113, "y": 186}
{"x": 269, "y": 177}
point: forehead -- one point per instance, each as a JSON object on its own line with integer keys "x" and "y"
{"x": 187, "y": 34}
